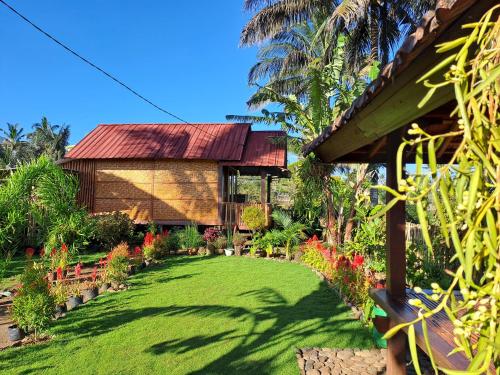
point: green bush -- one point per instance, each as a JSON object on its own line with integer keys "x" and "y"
{"x": 171, "y": 242}
{"x": 112, "y": 228}
{"x": 220, "y": 242}
{"x": 38, "y": 204}
{"x": 116, "y": 269}
{"x": 189, "y": 237}
{"x": 254, "y": 218}
{"x": 33, "y": 306}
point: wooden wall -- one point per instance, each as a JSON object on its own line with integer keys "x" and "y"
{"x": 86, "y": 176}
{"x": 168, "y": 191}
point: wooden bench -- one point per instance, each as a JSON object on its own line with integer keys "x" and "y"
{"x": 439, "y": 327}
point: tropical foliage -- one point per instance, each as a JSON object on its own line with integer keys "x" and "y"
{"x": 17, "y": 147}
{"x": 465, "y": 192}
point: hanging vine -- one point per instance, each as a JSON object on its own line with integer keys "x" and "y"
{"x": 466, "y": 195}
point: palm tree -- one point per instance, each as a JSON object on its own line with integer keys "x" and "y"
{"x": 291, "y": 232}
{"x": 13, "y": 145}
{"x": 49, "y": 139}
{"x": 374, "y": 27}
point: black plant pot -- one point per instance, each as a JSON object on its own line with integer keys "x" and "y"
{"x": 60, "y": 309}
{"x": 15, "y": 333}
{"x": 131, "y": 269}
{"x": 73, "y": 302}
{"x": 89, "y": 294}
{"x": 103, "y": 288}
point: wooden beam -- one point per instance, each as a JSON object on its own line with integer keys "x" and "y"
{"x": 377, "y": 147}
{"x": 396, "y": 258}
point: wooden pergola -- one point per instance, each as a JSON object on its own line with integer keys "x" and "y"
{"x": 371, "y": 132}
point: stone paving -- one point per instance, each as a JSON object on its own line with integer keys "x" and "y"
{"x": 322, "y": 361}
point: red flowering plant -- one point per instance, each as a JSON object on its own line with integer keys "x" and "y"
{"x": 346, "y": 272}
{"x": 29, "y": 252}
{"x": 78, "y": 270}
{"x": 58, "y": 257}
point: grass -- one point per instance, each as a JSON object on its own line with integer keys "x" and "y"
{"x": 197, "y": 315}
{"x": 15, "y": 267}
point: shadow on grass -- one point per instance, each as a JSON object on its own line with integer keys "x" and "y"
{"x": 275, "y": 326}
{"x": 316, "y": 308}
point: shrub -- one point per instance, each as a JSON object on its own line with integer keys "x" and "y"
{"x": 211, "y": 234}
{"x": 171, "y": 242}
{"x": 117, "y": 264}
{"x": 120, "y": 250}
{"x": 33, "y": 306}
{"x": 254, "y": 218}
{"x": 220, "y": 243}
{"x": 116, "y": 269}
{"x": 347, "y": 273}
{"x": 239, "y": 239}
{"x": 112, "y": 228}
{"x": 38, "y": 206}
{"x": 60, "y": 293}
{"x": 189, "y": 237}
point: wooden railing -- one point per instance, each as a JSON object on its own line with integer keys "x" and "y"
{"x": 232, "y": 213}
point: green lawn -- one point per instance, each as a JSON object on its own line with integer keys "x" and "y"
{"x": 197, "y": 315}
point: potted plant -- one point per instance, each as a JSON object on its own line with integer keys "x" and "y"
{"x": 238, "y": 242}
{"x": 220, "y": 244}
{"x": 74, "y": 297}
{"x": 33, "y": 305}
{"x": 15, "y": 333}
{"x": 229, "y": 250}
{"x": 117, "y": 266}
{"x": 60, "y": 294}
{"x": 190, "y": 239}
{"x": 209, "y": 236}
{"x": 89, "y": 291}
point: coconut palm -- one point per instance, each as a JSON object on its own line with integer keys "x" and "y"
{"x": 374, "y": 27}
{"x": 13, "y": 145}
{"x": 49, "y": 139}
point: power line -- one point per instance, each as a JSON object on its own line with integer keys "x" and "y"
{"x": 87, "y": 61}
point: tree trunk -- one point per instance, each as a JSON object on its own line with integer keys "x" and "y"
{"x": 361, "y": 175}
{"x": 374, "y": 32}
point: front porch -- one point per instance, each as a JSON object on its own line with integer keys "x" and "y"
{"x": 234, "y": 203}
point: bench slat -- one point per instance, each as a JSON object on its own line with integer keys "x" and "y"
{"x": 439, "y": 328}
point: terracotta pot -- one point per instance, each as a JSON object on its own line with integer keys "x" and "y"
{"x": 73, "y": 302}
{"x": 103, "y": 288}
{"x": 88, "y": 294}
{"x": 15, "y": 333}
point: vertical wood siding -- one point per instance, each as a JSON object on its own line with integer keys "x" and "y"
{"x": 86, "y": 177}
{"x": 168, "y": 191}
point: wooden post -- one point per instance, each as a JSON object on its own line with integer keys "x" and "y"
{"x": 396, "y": 258}
{"x": 263, "y": 194}
{"x": 268, "y": 197}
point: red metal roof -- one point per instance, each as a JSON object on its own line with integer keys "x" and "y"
{"x": 263, "y": 149}
{"x": 163, "y": 141}
{"x": 233, "y": 144}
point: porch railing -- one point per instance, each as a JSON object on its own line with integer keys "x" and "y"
{"x": 233, "y": 211}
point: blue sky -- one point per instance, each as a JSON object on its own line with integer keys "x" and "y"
{"x": 182, "y": 55}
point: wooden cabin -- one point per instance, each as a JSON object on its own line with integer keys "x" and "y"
{"x": 175, "y": 174}
{"x": 371, "y": 131}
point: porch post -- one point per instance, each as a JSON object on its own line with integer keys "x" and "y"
{"x": 263, "y": 193}
{"x": 396, "y": 258}
{"x": 268, "y": 197}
